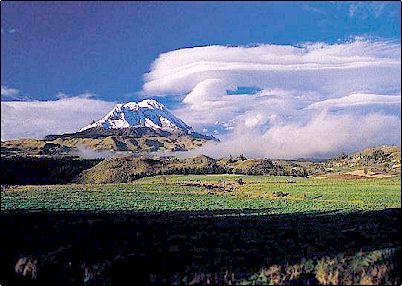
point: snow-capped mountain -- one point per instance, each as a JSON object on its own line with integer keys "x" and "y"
{"x": 147, "y": 113}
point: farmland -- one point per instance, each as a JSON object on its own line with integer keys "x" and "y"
{"x": 204, "y": 229}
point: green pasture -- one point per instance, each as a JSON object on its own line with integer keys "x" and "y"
{"x": 181, "y": 192}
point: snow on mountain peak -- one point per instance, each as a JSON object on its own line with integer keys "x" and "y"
{"x": 147, "y": 113}
{"x": 151, "y": 103}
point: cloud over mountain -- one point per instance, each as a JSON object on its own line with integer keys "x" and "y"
{"x": 335, "y": 97}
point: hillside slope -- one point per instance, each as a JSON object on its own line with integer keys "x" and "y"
{"x": 371, "y": 162}
{"x": 128, "y": 169}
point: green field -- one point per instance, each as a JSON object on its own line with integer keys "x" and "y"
{"x": 187, "y": 192}
{"x": 203, "y": 229}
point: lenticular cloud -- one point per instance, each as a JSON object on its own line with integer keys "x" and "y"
{"x": 313, "y": 99}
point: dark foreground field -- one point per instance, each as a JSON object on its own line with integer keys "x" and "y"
{"x": 199, "y": 247}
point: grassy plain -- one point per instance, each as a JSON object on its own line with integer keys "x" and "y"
{"x": 213, "y": 192}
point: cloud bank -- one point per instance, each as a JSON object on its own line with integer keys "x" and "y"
{"x": 314, "y": 99}
{"x": 36, "y": 119}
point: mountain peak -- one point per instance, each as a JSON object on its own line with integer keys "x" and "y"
{"x": 147, "y": 113}
{"x": 150, "y": 103}
{"x": 146, "y": 103}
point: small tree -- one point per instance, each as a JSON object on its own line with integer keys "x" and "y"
{"x": 242, "y": 157}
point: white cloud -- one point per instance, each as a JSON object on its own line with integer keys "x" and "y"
{"x": 9, "y": 92}
{"x": 306, "y": 91}
{"x": 12, "y": 94}
{"x": 324, "y": 135}
{"x": 85, "y": 95}
{"x": 8, "y": 31}
{"x": 358, "y": 99}
{"x": 36, "y": 119}
{"x": 345, "y": 67}
{"x": 365, "y": 9}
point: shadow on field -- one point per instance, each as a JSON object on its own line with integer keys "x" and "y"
{"x": 84, "y": 248}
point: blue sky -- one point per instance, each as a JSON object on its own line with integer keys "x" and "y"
{"x": 105, "y": 48}
{"x": 270, "y": 79}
